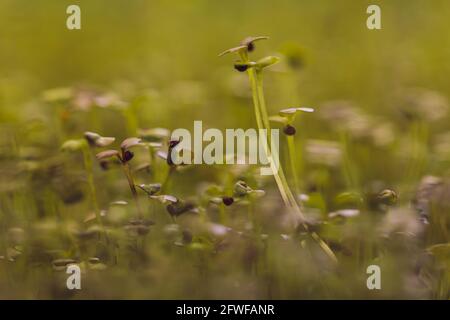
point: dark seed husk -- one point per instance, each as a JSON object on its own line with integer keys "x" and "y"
{"x": 228, "y": 201}
{"x": 241, "y": 67}
{"x": 289, "y": 130}
{"x": 127, "y": 156}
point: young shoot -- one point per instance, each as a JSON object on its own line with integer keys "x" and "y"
{"x": 286, "y": 117}
{"x": 124, "y": 156}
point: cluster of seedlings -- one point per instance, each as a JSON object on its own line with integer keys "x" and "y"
{"x": 241, "y": 221}
{"x": 160, "y": 169}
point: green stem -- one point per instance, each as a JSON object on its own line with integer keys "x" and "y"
{"x": 274, "y": 153}
{"x": 90, "y": 178}
{"x": 126, "y": 169}
{"x": 262, "y": 120}
{"x": 259, "y": 120}
{"x": 166, "y": 184}
{"x": 152, "y": 160}
{"x": 293, "y": 162}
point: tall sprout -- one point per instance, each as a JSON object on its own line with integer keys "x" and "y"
{"x": 255, "y": 74}
{"x": 124, "y": 156}
{"x": 82, "y": 145}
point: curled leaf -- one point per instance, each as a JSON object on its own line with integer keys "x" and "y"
{"x": 107, "y": 154}
{"x": 165, "y": 198}
{"x": 278, "y": 119}
{"x": 346, "y": 213}
{"x": 97, "y": 140}
{"x": 387, "y": 197}
{"x": 104, "y": 141}
{"x": 289, "y": 111}
{"x": 179, "y": 207}
{"x": 249, "y": 42}
{"x": 241, "y": 188}
{"x": 151, "y": 188}
{"x": 130, "y": 142}
{"x": 232, "y": 50}
{"x": 266, "y": 62}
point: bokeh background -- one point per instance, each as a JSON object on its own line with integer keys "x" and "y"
{"x": 381, "y": 121}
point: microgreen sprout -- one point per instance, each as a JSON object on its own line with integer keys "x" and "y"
{"x": 82, "y": 145}
{"x": 255, "y": 73}
{"x": 286, "y": 117}
{"x": 124, "y": 156}
{"x": 154, "y": 139}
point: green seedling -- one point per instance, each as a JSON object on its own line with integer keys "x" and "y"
{"x": 124, "y": 156}
{"x": 81, "y": 145}
{"x": 154, "y": 139}
{"x": 286, "y": 117}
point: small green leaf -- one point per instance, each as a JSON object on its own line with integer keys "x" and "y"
{"x": 151, "y": 188}
{"x": 241, "y": 188}
{"x": 232, "y": 50}
{"x": 266, "y": 62}
{"x": 290, "y": 113}
{"x": 97, "y": 140}
{"x": 278, "y": 119}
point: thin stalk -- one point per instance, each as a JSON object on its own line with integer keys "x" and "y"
{"x": 262, "y": 119}
{"x": 293, "y": 162}
{"x": 90, "y": 178}
{"x": 151, "y": 154}
{"x": 126, "y": 169}
{"x": 223, "y": 214}
{"x": 93, "y": 193}
{"x": 266, "y": 122}
{"x": 166, "y": 184}
{"x": 257, "y": 104}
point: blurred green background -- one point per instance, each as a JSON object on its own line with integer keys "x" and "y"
{"x": 156, "y": 44}
{"x": 381, "y": 100}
